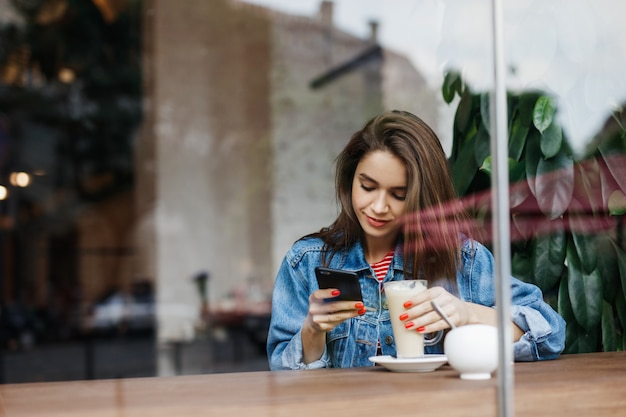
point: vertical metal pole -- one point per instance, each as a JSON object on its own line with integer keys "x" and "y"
{"x": 501, "y": 215}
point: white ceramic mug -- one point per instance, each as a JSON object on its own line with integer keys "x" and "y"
{"x": 472, "y": 350}
{"x": 409, "y": 342}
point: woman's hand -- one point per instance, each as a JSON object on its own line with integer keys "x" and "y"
{"x": 421, "y": 315}
{"x": 322, "y": 317}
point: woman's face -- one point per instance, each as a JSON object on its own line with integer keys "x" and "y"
{"x": 379, "y": 191}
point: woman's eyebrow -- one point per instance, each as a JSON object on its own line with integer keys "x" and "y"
{"x": 367, "y": 177}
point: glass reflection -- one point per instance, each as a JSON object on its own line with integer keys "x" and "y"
{"x": 174, "y": 153}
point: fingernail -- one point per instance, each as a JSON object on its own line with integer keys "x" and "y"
{"x": 420, "y": 329}
{"x": 335, "y": 293}
{"x": 407, "y": 304}
{"x": 409, "y": 324}
{"x": 359, "y": 305}
{"x": 361, "y": 312}
{"x": 403, "y": 316}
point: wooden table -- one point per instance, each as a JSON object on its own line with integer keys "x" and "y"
{"x": 573, "y": 385}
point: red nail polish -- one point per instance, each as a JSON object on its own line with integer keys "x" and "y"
{"x": 403, "y": 316}
{"x": 407, "y": 304}
{"x": 361, "y": 312}
{"x": 420, "y": 329}
{"x": 409, "y": 324}
{"x": 335, "y": 293}
{"x": 359, "y": 305}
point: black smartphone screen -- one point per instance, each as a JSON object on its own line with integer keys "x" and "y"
{"x": 346, "y": 282}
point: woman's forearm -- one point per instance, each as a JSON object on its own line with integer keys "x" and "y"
{"x": 313, "y": 343}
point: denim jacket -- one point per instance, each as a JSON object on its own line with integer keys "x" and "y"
{"x": 351, "y": 343}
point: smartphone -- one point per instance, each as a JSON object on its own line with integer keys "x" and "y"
{"x": 346, "y": 282}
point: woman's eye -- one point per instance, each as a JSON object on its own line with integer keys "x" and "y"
{"x": 366, "y": 188}
{"x": 400, "y": 197}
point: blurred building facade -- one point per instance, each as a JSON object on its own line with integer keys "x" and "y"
{"x": 246, "y": 110}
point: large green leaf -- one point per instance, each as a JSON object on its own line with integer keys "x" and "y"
{"x": 607, "y": 266}
{"x": 533, "y": 156}
{"x": 577, "y": 339}
{"x": 620, "y": 309}
{"x": 517, "y": 138}
{"x": 587, "y": 249}
{"x": 464, "y": 168}
{"x": 464, "y": 112}
{"x": 554, "y": 184}
{"x": 616, "y": 164}
{"x": 621, "y": 263}
{"x": 482, "y": 146}
{"x": 588, "y": 186}
{"x": 543, "y": 113}
{"x": 548, "y": 259}
{"x": 609, "y": 337}
{"x": 551, "y": 140}
{"x": 519, "y": 192}
{"x": 521, "y": 267}
{"x": 585, "y": 292}
{"x": 452, "y": 84}
{"x": 526, "y": 107}
{"x": 617, "y": 203}
{"x": 485, "y": 115}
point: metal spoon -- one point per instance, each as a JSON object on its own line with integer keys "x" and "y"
{"x": 442, "y": 314}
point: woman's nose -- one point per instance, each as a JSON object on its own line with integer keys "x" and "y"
{"x": 379, "y": 205}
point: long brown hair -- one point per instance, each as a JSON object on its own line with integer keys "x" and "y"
{"x": 433, "y": 224}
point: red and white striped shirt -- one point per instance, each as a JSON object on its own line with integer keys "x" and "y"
{"x": 380, "y": 269}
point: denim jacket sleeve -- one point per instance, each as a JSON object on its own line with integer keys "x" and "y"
{"x": 290, "y": 304}
{"x": 544, "y": 328}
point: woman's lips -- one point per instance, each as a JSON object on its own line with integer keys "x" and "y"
{"x": 375, "y": 222}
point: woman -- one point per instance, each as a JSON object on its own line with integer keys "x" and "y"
{"x": 394, "y": 187}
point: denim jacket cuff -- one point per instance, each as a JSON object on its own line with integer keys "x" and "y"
{"x": 536, "y": 329}
{"x": 292, "y": 356}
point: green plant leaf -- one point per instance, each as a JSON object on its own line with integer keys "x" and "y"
{"x": 588, "y": 186}
{"x": 465, "y": 168}
{"x": 587, "y": 249}
{"x": 621, "y": 264}
{"x": 485, "y": 114}
{"x": 517, "y": 170}
{"x": 577, "y": 339}
{"x": 551, "y": 140}
{"x": 482, "y": 146}
{"x": 620, "y": 309}
{"x": 564, "y": 303}
{"x": 533, "y": 156}
{"x": 617, "y": 203}
{"x": 526, "y": 107}
{"x": 452, "y": 84}
{"x": 548, "y": 259}
{"x": 554, "y": 185}
{"x": 517, "y": 138}
{"x": 543, "y": 113}
{"x": 464, "y": 112}
{"x": 521, "y": 267}
{"x": 520, "y": 192}
{"x": 607, "y": 266}
{"x": 616, "y": 164}
{"x": 585, "y": 292}
{"x": 609, "y": 337}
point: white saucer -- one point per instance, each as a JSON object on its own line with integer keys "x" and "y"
{"x": 428, "y": 363}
